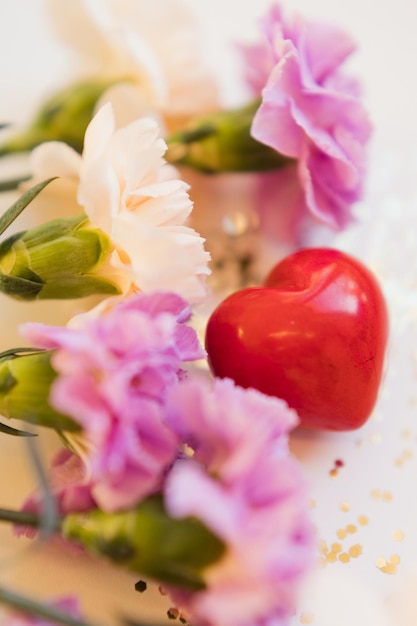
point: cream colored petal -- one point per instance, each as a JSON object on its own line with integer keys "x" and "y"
{"x": 170, "y": 258}
{"x": 55, "y": 158}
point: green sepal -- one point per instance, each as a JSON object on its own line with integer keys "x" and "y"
{"x": 60, "y": 259}
{"x": 64, "y": 117}
{"x": 149, "y": 542}
{"x": 25, "y": 383}
{"x": 222, "y": 142}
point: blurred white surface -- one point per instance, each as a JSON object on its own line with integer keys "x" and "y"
{"x": 370, "y": 501}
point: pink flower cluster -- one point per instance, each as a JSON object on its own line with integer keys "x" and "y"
{"x": 113, "y": 376}
{"x": 243, "y": 484}
{"x": 311, "y": 112}
{"x": 216, "y": 451}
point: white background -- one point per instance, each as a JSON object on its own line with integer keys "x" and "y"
{"x": 382, "y": 455}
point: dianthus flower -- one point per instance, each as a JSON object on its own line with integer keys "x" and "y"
{"x": 244, "y": 485}
{"x": 129, "y": 192}
{"x": 113, "y": 375}
{"x": 311, "y": 112}
{"x": 154, "y": 48}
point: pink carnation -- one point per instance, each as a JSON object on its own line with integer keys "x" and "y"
{"x": 68, "y": 606}
{"x": 113, "y": 376}
{"x": 244, "y": 485}
{"x": 310, "y": 112}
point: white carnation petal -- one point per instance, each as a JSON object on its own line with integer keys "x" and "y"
{"x": 55, "y": 158}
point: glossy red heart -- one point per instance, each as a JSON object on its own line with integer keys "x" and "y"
{"x": 315, "y": 336}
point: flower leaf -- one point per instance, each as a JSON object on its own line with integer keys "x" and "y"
{"x": 16, "y": 209}
{"x": 8, "y": 430}
{"x": 12, "y": 183}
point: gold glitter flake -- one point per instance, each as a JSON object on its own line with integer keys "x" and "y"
{"x": 387, "y": 496}
{"x": 363, "y": 520}
{"x": 355, "y": 551}
{"x": 344, "y": 557}
{"x": 307, "y": 617}
{"x": 341, "y": 533}
{"x": 375, "y": 494}
{"x": 331, "y": 557}
{"x": 398, "y": 535}
{"x": 388, "y": 567}
{"x": 351, "y": 529}
{"x": 336, "y": 547}
{"x": 323, "y": 548}
{"x": 345, "y": 507}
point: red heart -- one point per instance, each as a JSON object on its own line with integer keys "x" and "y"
{"x": 315, "y": 336}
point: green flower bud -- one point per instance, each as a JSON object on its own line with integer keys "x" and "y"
{"x": 25, "y": 382}
{"x": 63, "y": 258}
{"x": 147, "y": 541}
{"x": 222, "y": 142}
{"x": 64, "y": 117}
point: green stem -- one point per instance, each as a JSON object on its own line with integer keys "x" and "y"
{"x": 22, "y": 518}
{"x": 33, "y": 607}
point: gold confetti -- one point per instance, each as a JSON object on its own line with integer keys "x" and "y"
{"x": 351, "y": 529}
{"x": 336, "y": 547}
{"x": 376, "y": 494}
{"x": 345, "y": 507}
{"x": 387, "y": 496}
{"x": 355, "y": 551}
{"x": 363, "y": 520}
{"x": 398, "y": 535}
{"x": 388, "y": 567}
{"x": 341, "y": 533}
{"x": 331, "y": 557}
{"x": 344, "y": 557}
{"x": 323, "y": 549}
{"x": 307, "y": 618}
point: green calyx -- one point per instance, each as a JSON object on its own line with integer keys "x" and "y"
{"x": 60, "y": 259}
{"x": 222, "y": 142}
{"x": 149, "y": 542}
{"x": 25, "y": 383}
{"x": 64, "y": 117}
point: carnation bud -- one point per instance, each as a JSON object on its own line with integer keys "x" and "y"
{"x": 25, "y": 382}
{"x": 64, "y": 117}
{"x": 64, "y": 258}
{"x": 149, "y": 542}
{"x": 222, "y": 142}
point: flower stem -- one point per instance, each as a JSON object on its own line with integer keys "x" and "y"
{"x": 33, "y": 607}
{"x": 22, "y": 518}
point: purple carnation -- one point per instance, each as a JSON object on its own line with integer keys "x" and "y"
{"x": 113, "y": 375}
{"x": 244, "y": 485}
{"x": 311, "y": 112}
